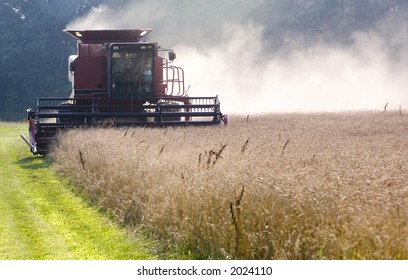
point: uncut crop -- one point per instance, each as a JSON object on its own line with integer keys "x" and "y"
{"x": 280, "y": 186}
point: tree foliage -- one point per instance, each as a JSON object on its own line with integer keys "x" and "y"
{"x": 306, "y": 22}
{"x": 34, "y": 51}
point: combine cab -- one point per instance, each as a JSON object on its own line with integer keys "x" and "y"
{"x": 119, "y": 80}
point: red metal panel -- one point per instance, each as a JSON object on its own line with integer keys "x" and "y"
{"x": 91, "y": 50}
{"x": 90, "y": 67}
{"x": 83, "y": 50}
{"x": 90, "y": 73}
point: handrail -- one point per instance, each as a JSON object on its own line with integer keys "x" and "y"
{"x": 161, "y": 111}
{"x": 173, "y": 77}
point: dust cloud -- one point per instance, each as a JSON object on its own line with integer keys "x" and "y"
{"x": 226, "y": 52}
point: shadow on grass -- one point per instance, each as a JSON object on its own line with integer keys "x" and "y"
{"x": 34, "y": 162}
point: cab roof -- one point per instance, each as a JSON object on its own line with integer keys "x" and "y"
{"x": 111, "y": 35}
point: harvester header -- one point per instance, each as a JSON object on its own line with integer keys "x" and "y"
{"x": 121, "y": 80}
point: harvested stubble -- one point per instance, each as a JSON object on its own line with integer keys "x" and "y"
{"x": 280, "y": 186}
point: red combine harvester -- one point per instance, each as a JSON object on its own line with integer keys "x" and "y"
{"x": 120, "y": 80}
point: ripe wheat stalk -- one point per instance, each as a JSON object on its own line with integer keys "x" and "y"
{"x": 339, "y": 192}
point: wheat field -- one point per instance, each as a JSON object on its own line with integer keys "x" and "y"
{"x": 277, "y": 186}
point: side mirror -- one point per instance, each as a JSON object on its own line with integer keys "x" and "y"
{"x": 172, "y": 56}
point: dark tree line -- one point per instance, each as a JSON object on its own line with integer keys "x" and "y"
{"x": 34, "y": 51}
{"x": 331, "y": 21}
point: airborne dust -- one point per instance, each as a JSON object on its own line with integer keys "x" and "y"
{"x": 225, "y": 50}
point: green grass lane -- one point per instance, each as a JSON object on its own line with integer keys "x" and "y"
{"x": 42, "y": 218}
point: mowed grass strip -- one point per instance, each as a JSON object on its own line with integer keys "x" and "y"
{"x": 42, "y": 218}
